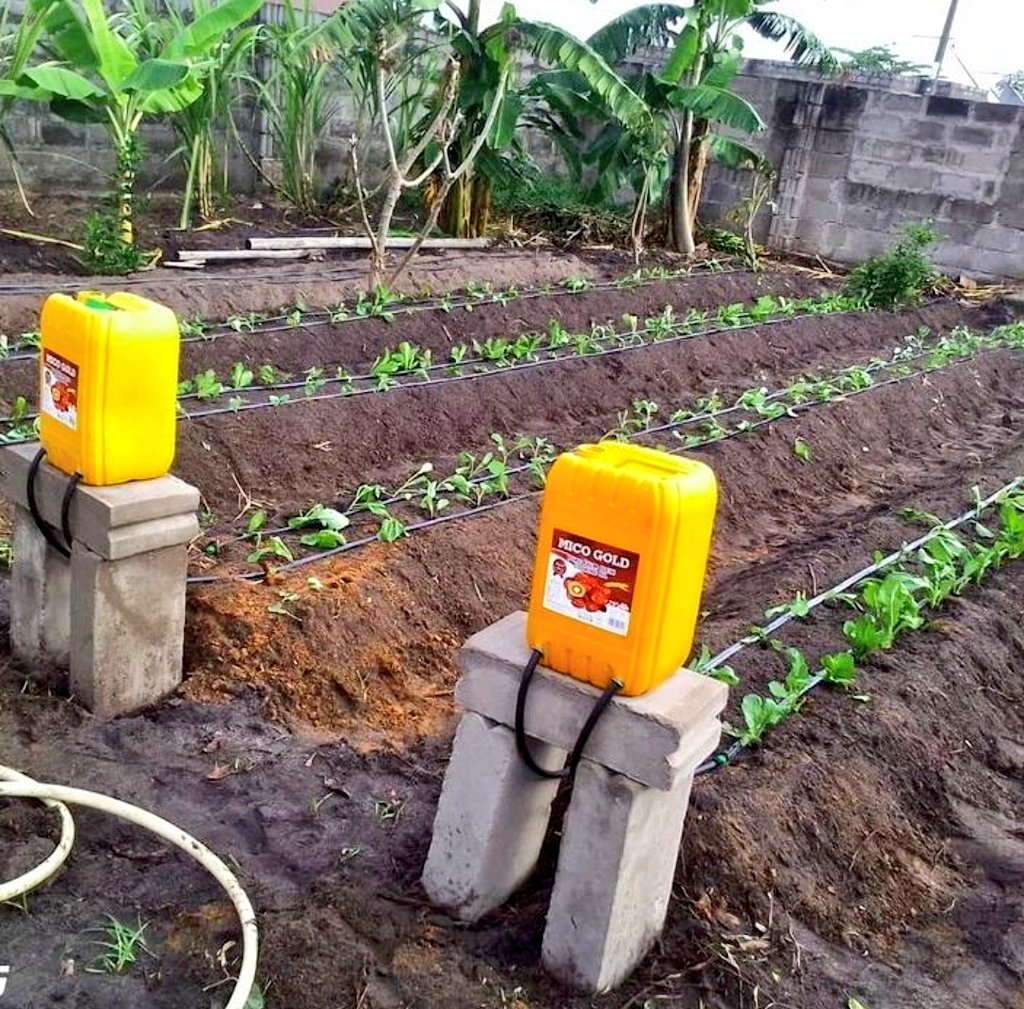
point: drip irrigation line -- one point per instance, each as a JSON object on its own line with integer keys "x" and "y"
{"x": 437, "y": 304}
{"x": 302, "y": 562}
{"x": 498, "y": 370}
{"x": 14, "y": 785}
{"x": 871, "y": 367}
{"x": 323, "y": 317}
{"x": 258, "y": 576}
{"x": 726, "y": 756}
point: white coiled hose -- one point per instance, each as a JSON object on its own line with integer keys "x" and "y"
{"x": 14, "y": 785}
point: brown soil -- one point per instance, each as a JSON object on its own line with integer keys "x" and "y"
{"x": 869, "y": 850}
{"x": 31, "y": 270}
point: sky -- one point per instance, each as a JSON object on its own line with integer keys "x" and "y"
{"x": 987, "y": 41}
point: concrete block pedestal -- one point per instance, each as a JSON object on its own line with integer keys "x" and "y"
{"x": 625, "y": 818}
{"x": 114, "y": 613}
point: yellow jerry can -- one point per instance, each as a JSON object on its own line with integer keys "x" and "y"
{"x": 625, "y": 533}
{"x": 108, "y": 383}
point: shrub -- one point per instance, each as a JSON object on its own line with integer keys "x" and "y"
{"x": 900, "y": 276}
{"x": 106, "y": 252}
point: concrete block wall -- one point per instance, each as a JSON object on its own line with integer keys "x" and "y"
{"x": 857, "y": 164}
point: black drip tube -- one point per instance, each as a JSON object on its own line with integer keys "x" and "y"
{"x": 569, "y": 771}
{"x": 49, "y": 533}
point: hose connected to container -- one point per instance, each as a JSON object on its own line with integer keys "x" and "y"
{"x": 14, "y": 785}
{"x": 49, "y": 533}
{"x": 569, "y": 771}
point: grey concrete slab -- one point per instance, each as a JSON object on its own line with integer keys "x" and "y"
{"x": 491, "y": 819}
{"x": 127, "y": 628}
{"x": 612, "y": 888}
{"x": 40, "y": 597}
{"x": 642, "y": 737}
{"x": 94, "y": 510}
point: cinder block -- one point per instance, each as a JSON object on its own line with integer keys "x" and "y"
{"x": 953, "y": 108}
{"x": 959, "y": 187}
{"x": 927, "y": 129}
{"x": 94, "y": 510}
{"x": 991, "y": 112}
{"x": 618, "y": 858}
{"x": 909, "y": 104}
{"x": 1002, "y": 239}
{"x": 974, "y": 136}
{"x": 491, "y": 819}
{"x": 127, "y": 628}
{"x": 40, "y": 597}
{"x": 642, "y": 737}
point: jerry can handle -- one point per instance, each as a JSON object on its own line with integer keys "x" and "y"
{"x": 569, "y": 771}
{"x": 49, "y": 533}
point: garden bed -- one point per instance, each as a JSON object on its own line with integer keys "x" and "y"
{"x": 867, "y": 849}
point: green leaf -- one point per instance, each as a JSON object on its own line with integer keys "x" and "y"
{"x": 324, "y": 539}
{"x": 508, "y": 119}
{"x": 155, "y": 75}
{"x": 256, "y": 521}
{"x": 62, "y": 82}
{"x": 802, "y": 450}
{"x": 556, "y": 46}
{"x": 682, "y": 56}
{"x": 115, "y": 60}
{"x": 720, "y": 106}
{"x": 853, "y": 1003}
{"x": 77, "y": 112}
{"x": 212, "y": 28}
{"x": 840, "y": 669}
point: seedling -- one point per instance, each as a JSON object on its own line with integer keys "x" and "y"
{"x": 802, "y": 450}
{"x": 123, "y": 945}
{"x": 241, "y": 376}
{"x": 797, "y": 608}
{"x": 726, "y": 674}
{"x": 320, "y": 515}
{"x": 207, "y": 385}
{"x": 273, "y": 546}
{"x": 388, "y": 810}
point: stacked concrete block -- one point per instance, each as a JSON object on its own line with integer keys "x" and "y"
{"x": 625, "y": 817}
{"x": 113, "y": 612}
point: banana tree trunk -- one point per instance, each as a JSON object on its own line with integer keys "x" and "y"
{"x": 127, "y": 161}
{"x": 467, "y": 207}
{"x": 681, "y": 234}
{"x": 697, "y": 168}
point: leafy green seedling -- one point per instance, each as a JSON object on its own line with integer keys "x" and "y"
{"x": 802, "y": 450}
{"x": 796, "y": 608}
{"x": 272, "y": 547}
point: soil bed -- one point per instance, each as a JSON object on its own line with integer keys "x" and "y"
{"x": 870, "y": 849}
{"x": 273, "y": 456}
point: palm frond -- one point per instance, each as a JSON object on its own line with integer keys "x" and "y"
{"x": 803, "y": 46}
{"x": 559, "y": 48}
{"x": 640, "y": 28}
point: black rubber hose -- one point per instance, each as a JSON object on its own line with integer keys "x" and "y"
{"x": 49, "y": 533}
{"x": 569, "y": 771}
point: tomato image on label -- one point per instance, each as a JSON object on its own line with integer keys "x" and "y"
{"x": 58, "y": 396}
{"x": 591, "y": 582}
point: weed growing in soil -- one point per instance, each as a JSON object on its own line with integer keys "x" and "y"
{"x": 123, "y": 944}
{"x": 900, "y": 276}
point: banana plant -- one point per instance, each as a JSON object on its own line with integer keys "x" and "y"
{"x": 488, "y": 58}
{"x": 688, "y": 97}
{"x": 157, "y": 24}
{"x": 95, "y": 70}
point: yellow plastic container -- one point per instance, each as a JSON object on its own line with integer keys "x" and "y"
{"x": 108, "y": 383}
{"x": 624, "y": 538}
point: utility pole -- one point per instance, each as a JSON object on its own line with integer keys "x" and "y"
{"x": 940, "y": 54}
